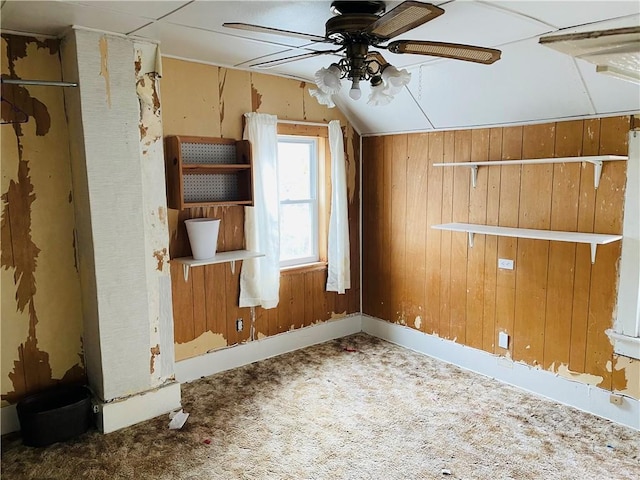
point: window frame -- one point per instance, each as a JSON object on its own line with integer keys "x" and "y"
{"x": 314, "y": 200}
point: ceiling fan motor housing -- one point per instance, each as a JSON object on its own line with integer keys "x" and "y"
{"x": 345, "y": 7}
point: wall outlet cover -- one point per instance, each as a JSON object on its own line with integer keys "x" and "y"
{"x": 503, "y": 340}
{"x": 239, "y": 325}
{"x": 505, "y": 264}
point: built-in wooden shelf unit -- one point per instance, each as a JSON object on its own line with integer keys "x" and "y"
{"x": 207, "y": 171}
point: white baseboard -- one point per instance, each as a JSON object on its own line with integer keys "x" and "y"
{"x": 582, "y": 396}
{"x": 243, "y": 354}
{"x": 144, "y": 406}
{"x": 118, "y": 414}
{"x": 9, "y": 420}
{"x": 123, "y": 413}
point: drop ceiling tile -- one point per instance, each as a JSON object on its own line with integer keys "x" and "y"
{"x": 530, "y": 83}
{"x": 209, "y": 47}
{"x": 144, "y": 9}
{"x": 470, "y": 23}
{"x": 563, "y": 14}
{"x": 402, "y": 115}
{"x": 53, "y": 18}
{"x": 306, "y": 17}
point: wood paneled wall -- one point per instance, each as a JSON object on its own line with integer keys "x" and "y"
{"x": 210, "y": 101}
{"x": 555, "y": 304}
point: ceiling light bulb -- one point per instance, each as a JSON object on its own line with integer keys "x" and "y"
{"x": 395, "y": 79}
{"x": 355, "y": 92}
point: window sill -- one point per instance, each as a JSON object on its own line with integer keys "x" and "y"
{"x": 307, "y": 267}
{"x": 625, "y": 345}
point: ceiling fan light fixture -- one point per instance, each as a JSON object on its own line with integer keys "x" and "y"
{"x": 322, "y": 97}
{"x": 328, "y": 79}
{"x": 394, "y": 79}
{"x": 378, "y": 96}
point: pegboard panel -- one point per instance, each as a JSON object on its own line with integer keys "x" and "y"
{"x": 211, "y": 188}
{"x": 208, "y": 153}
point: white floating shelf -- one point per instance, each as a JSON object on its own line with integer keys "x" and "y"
{"x": 221, "y": 257}
{"x": 595, "y": 160}
{"x": 593, "y": 239}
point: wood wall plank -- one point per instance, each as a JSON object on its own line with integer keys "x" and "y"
{"x": 608, "y": 219}
{"x": 459, "y": 241}
{"x": 476, "y": 254}
{"x": 217, "y": 299}
{"x": 385, "y": 254}
{"x": 489, "y": 331}
{"x": 508, "y": 217}
{"x": 199, "y": 301}
{"x": 398, "y": 228}
{"x": 182, "y": 304}
{"x": 582, "y": 286}
{"x": 416, "y": 230}
{"x": 434, "y": 237}
{"x": 562, "y": 255}
{"x": 444, "y": 327}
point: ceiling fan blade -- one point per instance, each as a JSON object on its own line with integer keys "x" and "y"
{"x": 457, "y": 51}
{"x": 281, "y": 61}
{"x": 403, "y": 18}
{"x": 274, "y": 31}
{"x": 377, "y": 56}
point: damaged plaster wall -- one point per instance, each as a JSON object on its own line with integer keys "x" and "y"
{"x": 118, "y": 176}
{"x": 206, "y": 100}
{"x": 41, "y": 296}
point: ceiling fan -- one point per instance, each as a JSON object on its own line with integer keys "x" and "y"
{"x": 359, "y": 25}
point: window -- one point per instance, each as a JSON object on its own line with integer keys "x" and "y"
{"x": 298, "y": 192}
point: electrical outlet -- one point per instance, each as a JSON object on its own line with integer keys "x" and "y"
{"x": 503, "y": 340}
{"x": 505, "y": 264}
{"x": 239, "y": 325}
{"x": 615, "y": 399}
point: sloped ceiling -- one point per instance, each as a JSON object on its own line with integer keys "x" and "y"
{"x": 531, "y": 83}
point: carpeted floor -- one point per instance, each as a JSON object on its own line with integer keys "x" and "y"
{"x": 354, "y": 408}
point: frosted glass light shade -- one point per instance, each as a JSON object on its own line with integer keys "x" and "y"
{"x": 378, "y": 96}
{"x": 328, "y": 79}
{"x": 322, "y": 97}
{"x": 395, "y": 79}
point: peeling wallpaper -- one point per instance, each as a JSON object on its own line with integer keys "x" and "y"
{"x": 41, "y": 302}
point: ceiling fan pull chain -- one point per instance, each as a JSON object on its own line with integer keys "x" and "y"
{"x": 420, "y": 82}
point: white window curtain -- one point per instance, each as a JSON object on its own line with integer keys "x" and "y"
{"x": 260, "y": 277}
{"x": 339, "y": 270}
